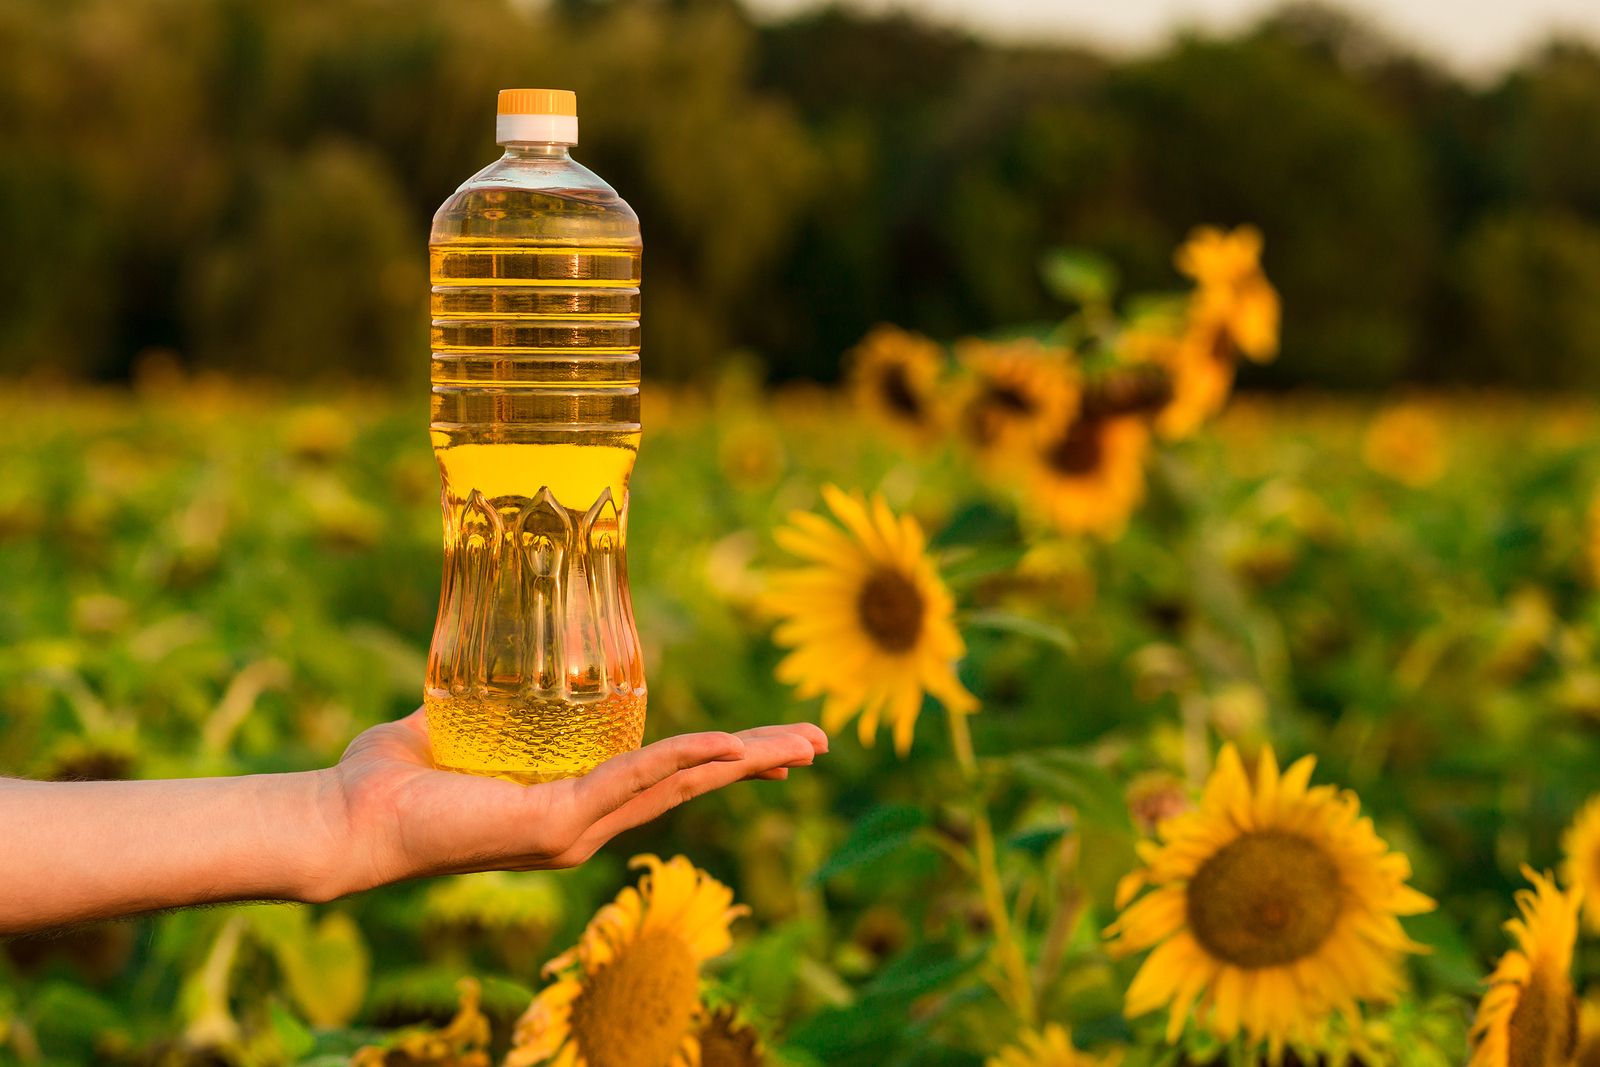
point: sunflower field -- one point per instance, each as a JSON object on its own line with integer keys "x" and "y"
{"x": 1167, "y": 729}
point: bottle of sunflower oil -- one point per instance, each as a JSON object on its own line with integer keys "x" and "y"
{"x": 535, "y": 672}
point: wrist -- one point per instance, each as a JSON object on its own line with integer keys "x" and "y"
{"x": 320, "y": 865}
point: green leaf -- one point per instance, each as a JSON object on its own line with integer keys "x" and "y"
{"x": 293, "y": 1038}
{"x": 918, "y": 971}
{"x": 1071, "y": 777}
{"x": 1022, "y": 626}
{"x": 876, "y": 834}
{"x": 763, "y": 977}
{"x": 978, "y": 522}
{"x": 1078, "y": 276}
{"x": 325, "y": 966}
{"x": 1451, "y": 961}
{"x": 1156, "y": 311}
{"x": 1037, "y": 841}
{"x": 858, "y": 1034}
{"x": 70, "y": 1021}
{"x": 971, "y": 565}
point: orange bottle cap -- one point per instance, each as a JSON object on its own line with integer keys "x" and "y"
{"x": 537, "y": 116}
{"x": 538, "y": 102}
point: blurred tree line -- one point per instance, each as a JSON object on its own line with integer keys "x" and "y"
{"x": 246, "y": 184}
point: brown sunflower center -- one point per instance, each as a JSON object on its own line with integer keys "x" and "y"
{"x": 890, "y": 608}
{"x": 993, "y": 408}
{"x": 1010, "y": 399}
{"x": 1543, "y": 1028}
{"x": 1078, "y": 451}
{"x": 1266, "y": 899}
{"x": 637, "y": 1010}
{"x": 898, "y": 395}
{"x": 1128, "y": 390}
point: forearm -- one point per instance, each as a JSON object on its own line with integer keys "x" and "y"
{"x": 78, "y": 851}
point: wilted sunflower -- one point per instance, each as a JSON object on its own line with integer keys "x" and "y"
{"x": 894, "y": 374}
{"x": 464, "y": 1042}
{"x": 1199, "y": 366}
{"x": 1581, "y": 869}
{"x": 1271, "y": 905}
{"x": 1091, "y": 477}
{"x": 869, "y": 621}
{"x": 1018, "y": 391}
{"x": 628, "y": 994}
{"x": 1050, "y": 1047}
{"x": 727, "y": 1041}
{"x": 1529, "y": 1016}
{"x": 1155, "y": 796}
{"x": 1232, "y": 295}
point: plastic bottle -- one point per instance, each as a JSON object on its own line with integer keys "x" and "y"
{"x": 535, "y": 672}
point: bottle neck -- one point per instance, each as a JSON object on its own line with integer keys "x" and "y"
{"x": 536, "y": 150}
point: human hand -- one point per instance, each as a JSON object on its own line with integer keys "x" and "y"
{"x": 391, "y": 814}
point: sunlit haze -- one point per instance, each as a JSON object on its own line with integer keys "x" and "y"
{"x": 1475, "y": 36}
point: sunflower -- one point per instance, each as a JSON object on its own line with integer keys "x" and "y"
{"x": 1089, "y": 478}
{"x": 628, "y": 994}
{"x": 1271, "y": 905}
{"x": 869, "y": 621}
{"x": 894, "y": 375}
{"x": 1198, "y": 364}
{"x": 1581, "y": 869}
{"x": 464, "y": 1042}
{"x": 1232, "y": 296}
{"x": 1529, "y": 1016}
{"x": 1050, "y": 1047}
{"x": 1406, "y": 443}
{"x": 1019, "y": 390}
{"x": 727, "y": 1041}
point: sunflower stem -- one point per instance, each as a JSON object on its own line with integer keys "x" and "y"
{"x": 961, "y": 741}
{"x": 1196, "y": 738}
{"x": 1010, "y": 954}
{"x": 952, "y": 849}
{"x": 1064, "y": 920}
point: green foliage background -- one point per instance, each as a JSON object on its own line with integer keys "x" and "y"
{"x": 247, "y": 183}
{"x": 203, "y": 580}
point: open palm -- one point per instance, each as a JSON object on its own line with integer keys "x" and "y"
{"x": 401, "y": 817}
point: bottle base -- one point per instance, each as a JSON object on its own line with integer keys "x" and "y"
{"x": 518, "y": 778}
{"x": 530, "y": 741}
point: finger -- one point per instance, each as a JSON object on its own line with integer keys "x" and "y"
{"x": 778, "y": 774}
{"x": 772, "y": 773}
{"x": 619, "y": 780}
{"x": 810, "y": 731}
{"x": 763, "y": 754}
{"x": 806, "y": 751}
